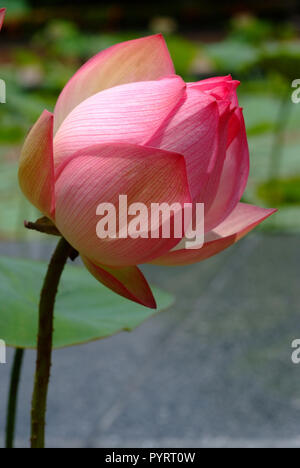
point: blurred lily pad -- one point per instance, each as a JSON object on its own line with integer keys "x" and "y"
{"x": 281, "y": 57}
{"x": 62, "y": 38}
{"x": 232, "y": 56}
{"x": 281, "y": 191}
{"x": 183, "y": 53}
{"x": 17, "y": 9}
{"x": 85, "y": 310}
{"x": 14, "y": 208}
{"x": 262, "y": 111}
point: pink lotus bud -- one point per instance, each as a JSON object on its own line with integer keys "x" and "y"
{"x": 127, "y": 124}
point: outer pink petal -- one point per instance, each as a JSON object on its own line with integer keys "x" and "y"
{"x": 142, "y": 59}
{"x": 210, "y": 83}
{"x": 221, "y": 87}
{"x": 207, "y": 192}
{"x": 243, "y": 219}
{"x": 100, "y": 174}
{"x": 128, "y": 282}
{"x": 200, "y": 128}
{"x": 234, "y": 175}
{"x": 129, "y": 113}
{"x": 229, "y": 178}
{"x": 36, "y": 168}
{"x": 192, "y": 130}
{"x": 2, "y": 15}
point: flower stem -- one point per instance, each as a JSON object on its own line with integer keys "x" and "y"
{"x": 45, "y": 338}
{"x": 13, "y": 397}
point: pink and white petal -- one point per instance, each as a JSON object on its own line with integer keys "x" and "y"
{"x": 100, "y": 174}
{"x": 129, "y": 113}
{"x": 144, "y": 59}
{"x": 234, "y": 175}
{"x": 2, "y": 15}
{"x": 242, "y": 220}
{"x": 36, "y": 168}
{"x": 128, "y": 282}
{"x": 191, "y": 130}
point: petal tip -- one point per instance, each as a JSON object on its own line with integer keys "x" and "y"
{"x": 48, "y": 114}
{"x": 151, "y": 303}
{"x": 270, "y": 212}
{"x": 160, "y": 37}
{"x": 127, "y": 282}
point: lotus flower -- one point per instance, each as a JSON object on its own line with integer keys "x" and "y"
{"x": 127, "y": 124}
{"x": 2, "y": 14}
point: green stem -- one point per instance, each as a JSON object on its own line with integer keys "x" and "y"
{"x": 13, "y": 398}
{"x": 44, "y": 346}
